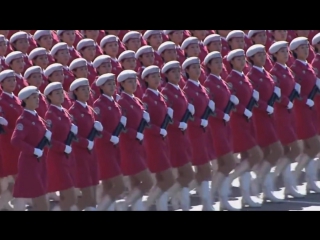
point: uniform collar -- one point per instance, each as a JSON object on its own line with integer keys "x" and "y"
{"x": 58, "y": 107}
{"x": 83, "y": 104}
{"x": 34, "y": 113}
{"x": 215, "y": 76}
{"x": 197, "y": 83}
{"x": 303, "y": 62}
{"x": 9, "y": 94}
{"x": 284, "y": 66}
{"x": 261, "y": 69}
{"x": 156, "y": 92}
{"x": 132, "y": 96}
{"x": 110, "y": 98}
{"x": 240, "y": 73}
{"x": 176, "y": 86}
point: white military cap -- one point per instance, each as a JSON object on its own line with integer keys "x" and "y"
{"x": 52, "y": 87}
{"x": 58, "y": 47}
{"x": 149, "y": 70}
{"x": 101, "y": 59}
{"x": 6, "y": 74}
{"x": 190, "y": 61}
{"x": 166, "y": 46}
{"x": 143, "y": 50}
{"x": 253, "y": 32}
{"x": 108, "y": 39}
{"x": 316, "y": 39}
{"x": 131, "y": 35}
{"x": 37, "y": 52}
{"x": 78, "y": 62}
{"x": 210, "y": 56}
{"x": 27, "y": 92}
{"x": 105, "y": 77}
{"x": 235, "y": 34}
{"x": 188, "y": 41}
{"x": 31, "y": 70}
{"x": 148, "y": 33}
{"x": 126, "y": 74}
{"x": 40, "y": 33}
{"x": 170, "y": 65}
{"x": 167, "y": 32}
{"x": 3, "y": 38}
{"x": 255, "y": 49}
{"x": 79, "y": 83}
{"x": 18, "y": 35}
{"x": 87, "y": 42}
{"x": 52, "y": 68}
{"x": 126, "y": 54}
{"x": 12, "y": 56}
{"x": 295, "y": 43}
{"x": 211, "y": 38}
{"x": 59, "y": 32}
{"x": 235, "y": 53}
{"x": 275, "y": 47}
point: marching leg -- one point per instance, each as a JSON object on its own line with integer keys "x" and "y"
{"x": 19, "y": 204}
{"x": 312, "y": 176}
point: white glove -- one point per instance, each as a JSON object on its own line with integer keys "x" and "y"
{"x": 123, "y": 120}
{"x": 204, "y": 123}
{"x": 117, "y": 97}
{"x": 48, "y": 135}
{"x": 146, "y": 116}
{"x": 255, "y": 95}
{"x": 191, "y": 108}
{"x": 247, "y": 113}
{"x": 68, "y": 149}
{"x": 90, "y": 145}
{"x": 212, "y": 105}
{"x": 38, "y": 152}
{"x": 170, "y": 112}
{"x": 270, "y": 110}
{"x": 234, "y": 99}
{"x": 163, "y": 132}
{"x": 139, "y": 136}
{"x": 290, "y": 105}
{"x": 226, "y": 117}
{"x": 98, "y": 126}
{"x": 183, "y": 126}
{"x": 3, "y": 121}
{"x": 310, "y": 103}
{"x": 114, "y": 140}
{"x": 74, "y": 129}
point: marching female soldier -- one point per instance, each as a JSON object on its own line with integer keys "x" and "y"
{"x": 305, "y": 111}
{"x": 15, "y": 62}
{"x": 32, "y": 42}
{"x": 86, "y": 163}
{"x": 154, "y": 39}
{"x": 200, "y": 35}
{"x": 306, "y": 33}
{"x": 3, "y": 51}
{"x": 133, "y": 41}
{"x": 242, "y": 128}
{"x": 20, "y": 42}
{"x": 180, "y": 154}
{"x": 109, "y": 114}
{"x": 316, "y": 60}
{"x": 110, "y": 47}
{"x": 10, "y": 109}
{"x": 266, "y": 134}
{"x": 54, "y": 73}
{"x": 30, "y": 129}
{"x": 219, "y": 92}
{"x": 61, "y": 55}
{"x": 6, "y": 34}
{"x": 213, "y": 43}
{"x": 128, "y": 61}
{"x": 197, "y": 131}
{"x": 60, "y": 161}
{"x": 93, "y": 35}
{"x": 133, "y": 163}
{"x": 284, "y": 118}
{"x": 69, "y": 37}
{"x": 176, "y": 36}
{"x": 116, "y": 33}
{"x": 44, "y": 40}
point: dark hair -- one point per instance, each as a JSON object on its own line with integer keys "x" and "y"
{"x": 106, "y": 32}
{"x": 208, "y": 70}
{"x": 316, "y": 49}
{"x": 187, "y": 75}
{"x": 48, "y": 99}
{"x": 98, "y": 71}
{"x": 101, "y": 92}
{"x": 217, "y": 31}
{"x": 229, "y": 44}
{"x": 23, "y": 104}
{"x": 74, "y": 96}
{"x": 294, "y": 55}
{"x": 121, "y": 88}
{"x": 250, "y": 61}
{"x": 231, "y": 65}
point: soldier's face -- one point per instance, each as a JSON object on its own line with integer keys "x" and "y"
{"x": 237, "y": 43}
{"x": 215, "y": 46}
{"x": 32, "y": 101}
{"x": 57, "y": 76}
{"x": 89, "y": 53}
{"x": 282, "y": 55}
{"x": 200, "y": 34}
{"x": 303, "y": 51}
{"x": 82, "y": 93}
{"x": 133, "y": 44}
{"x": 41, "y": 61}
{"x": 259, "y": 59}
{"x": 147, "y": 59}
{"x": 216, "y": 66}
{"x": 260, "y": 38}
{"x": 280, "y": 35}
{"x": 17, "y": 65}
{"x": 3, "y": 48}
{"x": 105, "y": 67}
{"x": 155, "y": 40}
{"x": 239, "y": 63}
{"x": 112, "y": 49}
{"x": 109, "y": 88}
{"x": 57, "y": 97}
{"x": 68, "y": 37}
{"x": 92, "y": 34}
{"x": 129, "y": 64}
{"x": 63, "y": 57}
{"x": 194, "y": 71}
{"x": 81, "y": 72}
{"x": 4, "y": 33}
{"x": 169, "y": 55}
{"x": 303, "y": 33}
{"x": 35, "y": 80}
{"x": 45, "y": 42}
{"x": 22, "y": 45}
{"x": 193, "y": 50}
{"x": 9, "y": 84}
{"x": 174, "y": 75}
{"x": 153, "y": 80}
{"x": 130, "y": 85}
{"x": 176, "y": 37}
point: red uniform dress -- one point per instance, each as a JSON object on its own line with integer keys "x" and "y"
{"x": 55, "y": 38}
{"x": 122, "y": 48}
{"x": 50, "y": 59}
{"x": 181, "y": 56}
{"x": 316, "y": 64}
{"x": 197, "y": 96}
{"x": 60, "y": 168}
{"x": 33, "y": 44}
{"x": 116, "y": 67}
{"x": 92, "y": 73}
{"x": 203, "y": 51}
{"x": 219, "y": 92}
{"x": 242, "y": 130}
{"x": 67, "y": 103}
{"x": 158, "y": 60}
{"x": 21, "y": 83}
{"x": 122, "y": 33}
{"x": 131, "y": 151}
{"x": 86, "y": 163}
{"x": 229, "y": 69}
{"x": 164, "y": 37}
{"x": 101, "y": 35}
{"x": 27, "y": 62}
{"x": 306, "y": 117}
{"x": 180, "y": 154}
{"x": 225, "y": 47}
{"x": 291, "y": 35}
{"x": 78, "y": 38}
{"x": 10, "y": 109}
{"x": 3, "y": 64}
{"x": 247, "y": 43}
{"x": 186, "y": 34}
{"x": 11, "y": 32}
{"x": 31, "y": 180}
{"x": 284, "y": 119}
{"x": 68, "y": 78}
{"x": 224, "y": 73}
{"x": 43, "y": 106}
{"x": 74, "y": 54}
{"x": 98, "y": 50}
{"x": 109, "y": 114}
{"x": 312, "y": 55}
{"x": 156, "y": 147}
{"x": 269, "y": 63}
{"x": 262, "y": 82}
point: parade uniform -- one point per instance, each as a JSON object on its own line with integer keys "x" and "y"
{"x": 316, "y": 67}
{"x": 32, "y": 42}
{"x": 55, "y": 38}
